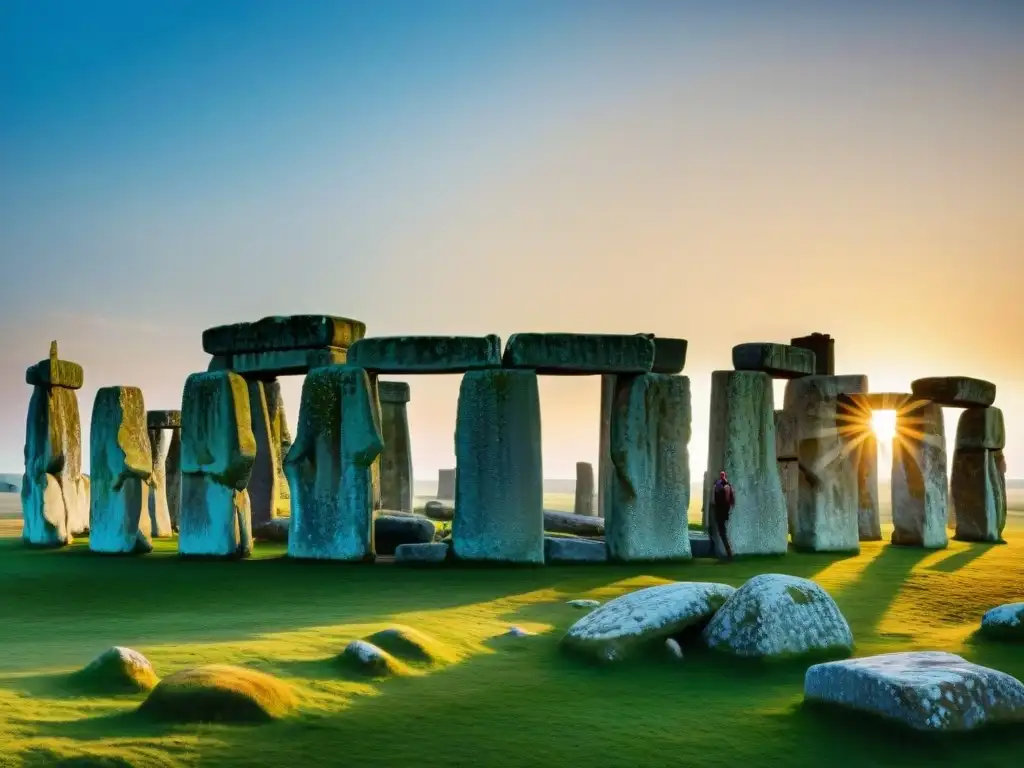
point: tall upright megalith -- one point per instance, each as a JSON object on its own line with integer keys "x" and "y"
{"x": 787, "y": 454}
{"x": 604, "y": 458}
{"x": 583, "y": 503}
{"x": 978, "y": 477}
{"x": 173, "y": 475}
{"x": 329, "y": 466}
{"x": 54, "y": 493}
{"x": 396, "y": 458}
{"x": 742, "y": 443}
{"x": 282, "y": 438}
{"x": 446, "y": 484}
{"x": 218, "y": 450}
{"x": 121, "y": 464}
{"x": 646, "y": 511}
{"x": 919, "y": 480}
{"x": 499, "y": 493}
{"x": 263, "y": 487}
{"x": 162, "y": 425}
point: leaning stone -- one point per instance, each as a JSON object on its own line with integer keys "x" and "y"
{"x": 742, "y": 443}
{"x": 646, "y": 515}
{"x": 823, "y": 346}
{"x": 774, "y": 615}
{"x": 275, "y": 531}
{"x": 981, "y": 429}
{"x": 577, "y": 525}
{"x": 438, "y": 510}
{"x": 426, "y": 354}
{"x": 559, "y": 550}
{"x": 978, "y": 494}
{"x": 283, "y": 333}
{"x": 396, "y": 482}
{"x": 421, "y": 554}
{"x": 122, "y": 464}
{"x": 329, "y": 467}
{"x": 499, "y": 483}
{"x": 623, "y": 626}
{"x": 218, "y": 450}
{"x": 163, "y": 420}
{"x": 54, "y": 372}
{"x": 926, "y": 690}
{"x": 391, "y": 531}
{"x": 787, "y": 443}
{"x": 919, "y": 481}
{"x": 1005, "y": 622}
{"x": 584, "y": 501}
{"x": 955, "y": 391}
{"x": 669, "y": 354}
{"x": 117, "y": 670}
{"x": 159, "y": 513}
{"x": 777, "y": 360}
{"x": 579, "y": 353}
{"x": 583, "y": 603}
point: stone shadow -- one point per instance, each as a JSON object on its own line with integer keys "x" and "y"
{"x": 959, "y": 560}
{"x": 866, "y": 600}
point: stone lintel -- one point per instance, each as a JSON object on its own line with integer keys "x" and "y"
{"x": 273, "y": 363}
{"x": 669, "y": 354}
{"x": 780, "y": 361}
{"x": 393, "y": 391}
{"x": 54, "y": 372}
{"x": 283, "y": 333}
{"x": 580, "y": 354}
{"x": 426, "y": 354}
{"x": 955, "y": 391}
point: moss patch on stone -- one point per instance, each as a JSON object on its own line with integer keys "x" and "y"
{"x": 219, "y": 693}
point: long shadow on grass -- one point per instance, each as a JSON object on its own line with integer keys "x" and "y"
{"x": 865, "y": 601}
{"x": 962, "y": 559}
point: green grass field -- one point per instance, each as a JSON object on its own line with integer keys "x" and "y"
{"x": 499, "y": 701}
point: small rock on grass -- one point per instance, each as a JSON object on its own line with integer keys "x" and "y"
{"x": 674, "y": 648}
{"x": 584, "y": 603}
{"x": 518, "y": 632}
{"x": 1004, "y": 622}
{"x": 118, "y": 670}
{"x": 367, "y": 659}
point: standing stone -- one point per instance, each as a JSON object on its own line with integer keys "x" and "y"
{"x": 396, "y": 458}
{"x": 499, "y": 489}
{"x": 159, "y": 513}
{"x": 584, "y": 503}
{"x": 263, "y": 483}
{"x": 281, "y": 436}
{"x": 646, "y": 518}
{"x": 919, "y": 484}
{"x": 824, "y": 348}
{"x": 218, "y": 450}
{"x": 446, "y": 484}
{"x": 54, "y": 493}
{"x": 978, "y": 477}
{"x": 121, "y": 464}
{"x": 786, "y": 453}
{"x": 779, "y": 361}
{"x": 830, "y": 440}
{"x": 789, "y": 476}
{"x": 869, "y": 524}
{"x": 330, "y": 464}
{"x": 173, "y": 476}
{"x": 742, "y": 442}
{"x": 604, "y": 458}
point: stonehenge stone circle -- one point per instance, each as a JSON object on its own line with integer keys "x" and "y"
{"x": 54, "y": 493}
{"x": 218, "y": 450}
{"x": 584, "y": 501}
{"x": 779, "y": 361}
{"x": 426, "y": 354}
{"x": 742, "y": 443}
{"x": 978, "y": 476}
{"x": 330, "y": 464}
{"x": 396, "y": 489}
{"x": 122, "y": 463}
{"x": 919, "y": 484}
{"x": 579, "y": 353}
{"x": 646, "y": 511}
{"x": 499, "y": 490}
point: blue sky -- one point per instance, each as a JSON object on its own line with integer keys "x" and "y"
{"x": 468, "y": 167}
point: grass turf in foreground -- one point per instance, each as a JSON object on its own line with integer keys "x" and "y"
{"x": 499, "y": 701}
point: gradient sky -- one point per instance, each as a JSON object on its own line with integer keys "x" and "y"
{"x": 724, "y": 175}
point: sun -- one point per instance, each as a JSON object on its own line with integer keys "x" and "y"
{"x": 884, "y": 424}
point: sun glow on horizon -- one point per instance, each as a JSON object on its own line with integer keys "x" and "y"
{"x": 884, "y": 425}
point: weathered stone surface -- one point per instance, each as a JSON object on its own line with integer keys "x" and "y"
{"x": 218, "y": 450}
{"x": 499, "y": 491}
{"x": 823, "y": 346}
{"x": 156, "y": 507}
{"x": 579, "y": 353}
{"x": 645, "y": 518}
{"x": 281, "y": 436}
{"x": 329, "y": 467}
{"x": 742, "y": 443}
{"x": 54, "y": 372}
{"x": 869, "y": 526}
{"x": 446, "y": 484}
{"x": 561, "y": 550}
{"x": 978, "y": 494}
{"x": 173, "y": 479}
{"x": 981, "y": 429}
{"x": 624, "y": 626}
{"x": 955, "y": 391}
{"x": 789, "y": 476}
{"x": 776, "y": 615}
{"x": 577, "y": 525}
{"x": 263, "y": 487}
{"x": 700, "y": 545}
{"x": 391, "y": 531}
{"x": 275, "y": 531}
{"x": 926, "y": 690}
{"x": 604, "y": 456}
{"x": 426, "y": 354}
{"x": 669, "y": 354}
{"x": 777, "y": 360}
{"x": 396, "y": 477}
{"x": 583, "y": 603}
{"x": 272, "y": 363}
{"x": 787, "y": 443}
{"x": 283, "y": 333}
{"x": 1004, "y": 622}
{"x": 421, "y": 554}
{"x": 163, "y": 420}
{"x": 584, "y": 501}
{"x": 438, "y": 510}
{"x": 919, "y": 481}
{"x": 121, "y": 465}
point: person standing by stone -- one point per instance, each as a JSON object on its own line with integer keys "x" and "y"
{"x": 723, "y": 500}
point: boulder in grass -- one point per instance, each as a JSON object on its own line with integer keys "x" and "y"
{"x": 220, "y": 693}
{"x": 438, "y": 510}
{"x": 391, "y": 531}
{"x": 619, "y": 628}
{"x": 367, "y": 659}
{"x": 117, "y": 670}
{"x": 926, "y": 690}
{"x": 775, "y": 615}
{"x": 1005, "y": 622}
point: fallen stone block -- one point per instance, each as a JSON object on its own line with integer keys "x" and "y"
{"x": 981, "y": 429}
{"x": 955, "y": 391}
{"x": 391, "y": 531}
{"x": 438, "y": 510}
{"x": 560, "y": 550}
{"x": 576, "y": 525}
{"x": 779, "y": 361}
{"x": 426, "y": 354}
{"x": 579, "y": 353}
{"x": 421, "y": 554}
{"x": 283, "y": 333}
